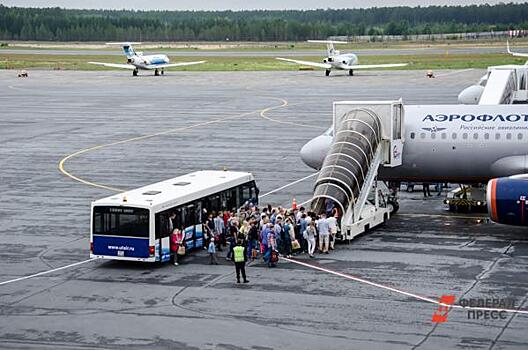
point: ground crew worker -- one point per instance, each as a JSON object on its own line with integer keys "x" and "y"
{"x": 240, "y": 258}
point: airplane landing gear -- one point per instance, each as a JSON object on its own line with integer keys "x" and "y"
{"x": 351, "y": 72}
{"x": 327, "y": 72}
{"x": 156, "y": 72}
{"x": 162, "y": 72}
{"x": 135, "y": 73}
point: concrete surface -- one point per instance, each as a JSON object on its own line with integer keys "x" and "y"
{"x": 248, "y": 121}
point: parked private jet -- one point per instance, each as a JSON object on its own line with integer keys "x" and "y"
{"x": 137, "y": 61}
{"x": 337, "y": 60}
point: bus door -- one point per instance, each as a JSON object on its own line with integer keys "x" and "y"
{"x": 163, "y": 237}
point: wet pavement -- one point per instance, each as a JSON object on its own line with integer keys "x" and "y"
{"x": 139, "y": 131}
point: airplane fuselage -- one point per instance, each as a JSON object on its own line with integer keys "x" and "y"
{"x": 455, "y": 143}
{"x": 341, "y": 61}
{"x": 148, "y": 61}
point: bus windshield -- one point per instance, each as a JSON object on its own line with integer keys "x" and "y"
{"x": 121, "y": 221}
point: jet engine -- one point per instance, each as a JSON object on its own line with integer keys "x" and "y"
{"x": 471, "y": 95}
{"x": 507, "y": 199}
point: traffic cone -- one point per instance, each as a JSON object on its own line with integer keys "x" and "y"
{"x": 294, "y": 204}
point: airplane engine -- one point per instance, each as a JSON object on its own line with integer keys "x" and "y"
{"x": 471, "y": 95}
{"x": 507, "y": 199}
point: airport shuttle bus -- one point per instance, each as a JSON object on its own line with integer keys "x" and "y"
{"x": 134, "y": 225}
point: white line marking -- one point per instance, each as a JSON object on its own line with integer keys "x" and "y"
{"x": 46, "y": 272}
{"x": 288, "y": 185}
{"x": 455, "y": 72}
{"x": 399, "y": 291}
{"x": 86, "y": 261}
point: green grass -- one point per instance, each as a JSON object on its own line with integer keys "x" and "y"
{"x": 416, "y": 62}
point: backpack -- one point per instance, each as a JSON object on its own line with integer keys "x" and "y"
{"x": 274, "y": 257}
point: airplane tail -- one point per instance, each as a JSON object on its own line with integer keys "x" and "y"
{"x": 330, "y": 50}
{"x": 127, "y": 48}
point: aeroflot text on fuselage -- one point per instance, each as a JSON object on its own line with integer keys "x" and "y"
{"x": 472, "y": 117}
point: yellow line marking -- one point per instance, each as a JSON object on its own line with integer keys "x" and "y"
{"x": 144, "y": 137}
{"x": 284, "y": 104}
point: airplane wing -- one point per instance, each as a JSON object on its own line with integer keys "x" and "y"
{"x": 516, "y": 54}
{"x": 114, "y": 65}
{"x": 180, "y": 64}
{"x": 373, "y": 66}
{"x": 306, "y": 63}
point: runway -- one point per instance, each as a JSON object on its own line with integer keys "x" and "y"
{"x": 113, "y": 132}
{"x": 435, "y": 50}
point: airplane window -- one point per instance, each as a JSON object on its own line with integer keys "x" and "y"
{"x": 454, "y": 136}
{"x": 433, "y": 135}
{"x": 475, "y": 136}
{"x": 519, "y": 136}
{"x": 444, "y": 136}
{"x": 465, "y": 136}
{"x": 422, "y": 135}
{"x": 412, "y": 135}
{"x": 486, "y": 136}
{"x": 508, "y": 136}
{"x": 497, "y": 136}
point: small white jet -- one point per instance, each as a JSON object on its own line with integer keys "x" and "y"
{"x": 337, "y": 60}
{"x": 137, "y": 61}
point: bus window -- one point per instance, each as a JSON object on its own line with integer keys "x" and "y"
{"x": 189, "y": 216}
{"x": 162, "y": 225}
{"x": 121, "y": 221}
{"x": 198, "y": 212}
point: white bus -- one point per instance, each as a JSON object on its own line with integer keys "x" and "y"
{"x": 134, "y": 225}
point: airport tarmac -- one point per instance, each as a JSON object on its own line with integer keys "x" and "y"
{"x": 123, "y": 132}
{"x": 269, "y": 53}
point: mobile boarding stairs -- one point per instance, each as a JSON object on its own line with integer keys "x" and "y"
{"x": 367, "y": 135}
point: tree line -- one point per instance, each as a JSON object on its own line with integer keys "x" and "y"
{"x": 56, "y": 24}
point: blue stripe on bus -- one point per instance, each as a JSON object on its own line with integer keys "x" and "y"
{"x": 130, "y": 247}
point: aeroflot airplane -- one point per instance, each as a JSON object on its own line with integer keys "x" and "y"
{"x": 337, "y": 60}
{"x": 137, "y": 61}
{"x": 462, "y": 144}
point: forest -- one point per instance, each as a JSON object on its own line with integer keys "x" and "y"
{"x": 56, "y": 24}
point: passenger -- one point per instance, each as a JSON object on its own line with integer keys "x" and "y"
{"x": 279, "y": 232}
{"x": 231, "y": 241}
{"x": 253, "y": 240}
{"x": 324, "y": 233}
{"x": 212, "y": 252}
{"x": 303, "y": 224}
{"x": 287, "y": 237}
{"x": 240, "y": 258}
{"x": 272, "y": 246}
{"x": 332, "y": 224}
{"x": 426, "y": 190}
{"x": 219, "y": 230}
{"x": 177, "y": 246}
{"x": 309, "y": 235}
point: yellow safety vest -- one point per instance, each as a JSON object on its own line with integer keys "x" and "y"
{"x": 239, "y": 253}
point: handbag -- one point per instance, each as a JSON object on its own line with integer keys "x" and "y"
{"x": 181, "y": 250}
{"x": 296, "y": 245}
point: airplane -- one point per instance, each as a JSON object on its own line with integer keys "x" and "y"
{"x": 137, "y": 61}
{"x": 466, "y": 144}
{"x": 337, "y": 60}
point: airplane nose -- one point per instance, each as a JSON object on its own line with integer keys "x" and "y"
{"x": 314, "y": 151}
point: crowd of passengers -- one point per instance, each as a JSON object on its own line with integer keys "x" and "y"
{"x": 267, "y": 232}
